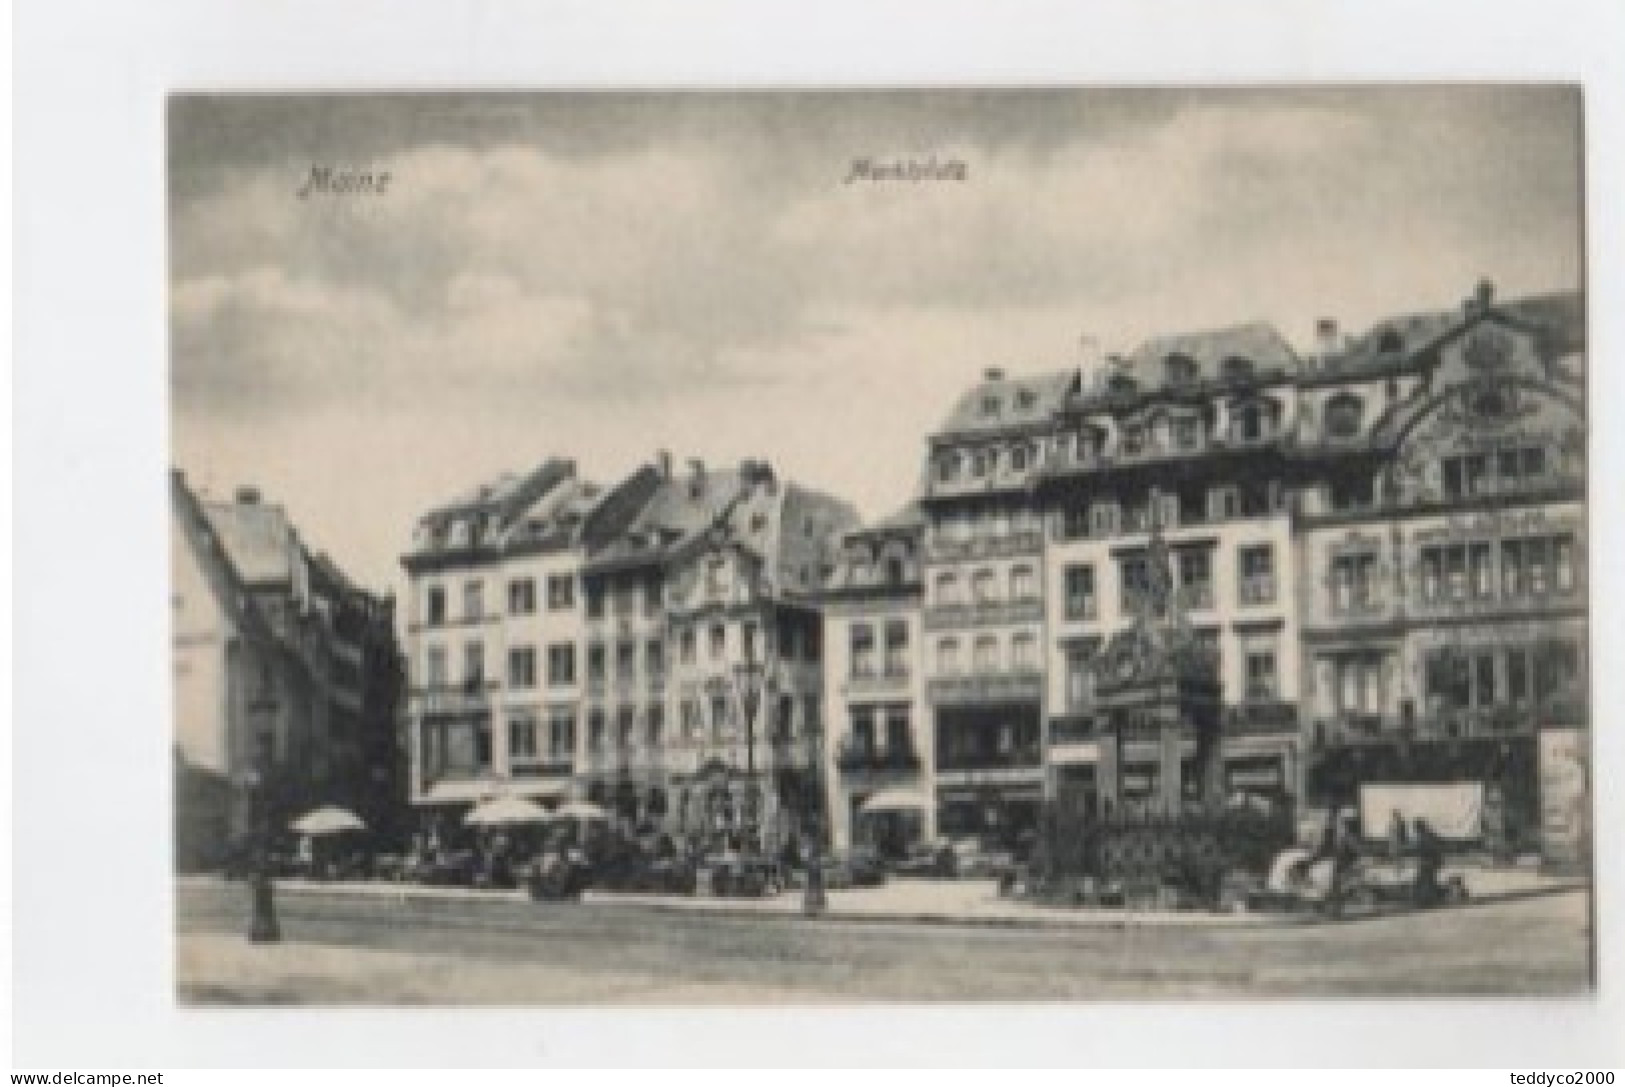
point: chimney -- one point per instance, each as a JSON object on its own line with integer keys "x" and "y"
{"x": 696, "y": 483}
{"x": 1326, "y": 336}
{"x": 993, "y": 373}
{"x": 1088, "y": 354}
{"x": 1483, "y": 295}
{"x": 663, "y": 463}
{"x": 248, "y": 495}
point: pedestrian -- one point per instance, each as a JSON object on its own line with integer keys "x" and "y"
{"x": 1429, "y": 849}
{"x": 1398, "y": 837}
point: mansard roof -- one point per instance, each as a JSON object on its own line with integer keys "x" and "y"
{"x": 1000, "y": 402}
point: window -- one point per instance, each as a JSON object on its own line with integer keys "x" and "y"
{"x": 1343, "y": 414}
{"x": 626, "y": 661}
{"x": 1261, "y": 676}
{"x": 863, "y": 651}
{"x": 986, "y": 659}
{"x": 1024, "y": 653}
{"x": 1517, "y": 677}
{"x": 898, "y": 738}
{"x": 1187, "y": 434}
{"x": 1353, "y": 582}
{"x": 561, "y": 664}
{"x": 1236, "y": 368}
{"x": 1223, "y": 503}
{"x": 863, "y": 730}
{"x": 1481, "y": 571}
{"x": 561, "y": 593}
{"x": 947, "y": 589}
{"x": 522, "y": 738}
{"x": 1195, "y": 578}
{"x": 897, "y": 647}
{"x": 1165, "y": 510}
{"x": 686, "y": 645}
{"x": 990, "y": 405}
{"x": 1134, "y": 577}
{"x": 948, "y": 467}
{"x": 1181, "y": 369}
{"x": 1563, "y": 564}
{"x": 1466, "y": 476}
{"x": 522, "y": 667}
{"x": 719, "y": 716}
{"x": 597, "y": 663}
{"x": 625, "y": 598}
{"x": 1023, "y": 585}
{"x": 1249, "y": 423}
{"x": 1103, "y": 519}
{"x": 748, "y": 635}
{"x": 595, "y": 729}
{"x": 626, "y": 726}
{"x": 473, "y": 662}
{"x": 473, "y": 600}
{"x": 948, "y": 657}
{"x": 595, "y": 601}
{"x": 719, "y": 640}
{"x": 984, "y": 587}
{"x": 1131, "y": 443}
{"x": 521, "y": 596}
{"x": 1080, "y": 592}
{"x": 691, "y": 719}
{"x": 1257, "y": 569}
{"x": 1357, "y": 684}
{"x": 434, "y": 666}
{"x": 655, "y": 725}
{"x": 561, "y": 732}
{"x": 654, "y": 655}
{"x": 434, "y": 603}
{"x": 1020, "y": 457}
{"x": 482, "y": 743}
{"x": 1080, "y": 676}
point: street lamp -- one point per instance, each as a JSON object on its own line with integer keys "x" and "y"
{"x": 262, "y": 925}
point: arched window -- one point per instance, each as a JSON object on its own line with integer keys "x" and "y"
{"x": 1343, "y": 413}
{"x": 1236, "y": 368}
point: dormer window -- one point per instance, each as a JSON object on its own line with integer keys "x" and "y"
{"x": 1122, "y": 385}
{"x": 990, "y": 406}
{"x": 1390, "y": 342}
{"x": 1236, "y": 368}
{"x": 1020, "y": 458}
{"x": 1343, "y": 413}
{"x": 948, "y": 466}
{"x": 1026, "y": 399}
{"x": 1250, "y": 422}
{"x": 1132, "y": 442}
{"x": 1181, "y": 370}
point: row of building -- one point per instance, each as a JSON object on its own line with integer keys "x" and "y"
{"x": 1382, "y": 542}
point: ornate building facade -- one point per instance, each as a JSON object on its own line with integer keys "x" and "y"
{"x": 1380, "y": 542}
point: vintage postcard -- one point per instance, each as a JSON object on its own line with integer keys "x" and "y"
{"x": 1072, "y": 544}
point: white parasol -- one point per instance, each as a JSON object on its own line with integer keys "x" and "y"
{"x": 506, "y": 811}
{"x": 328, "y": 820}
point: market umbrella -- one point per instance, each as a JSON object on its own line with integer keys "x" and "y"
{"x": 579, "y": 809}
{"x": 507, "y": 811}
{"x": 328, "y": 820}
{"x": 895, "y": 799}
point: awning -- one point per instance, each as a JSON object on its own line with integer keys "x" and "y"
{"x": 896, "y": 799}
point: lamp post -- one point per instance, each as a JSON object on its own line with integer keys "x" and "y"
{"x": 262, "y": 925}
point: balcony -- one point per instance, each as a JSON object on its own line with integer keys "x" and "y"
{"x": 855, "y": 757}
{"x": 1264, "y": 717}
{"x": 544, "y": 767}
{"x": 993, "y": 687}
{"x": 1029, "y": 542}
{"x": 877, "y": 683}
{"x": 985, "y": 613}
{"x": 449, "y": 699}
{"x": 1021, "y": 756}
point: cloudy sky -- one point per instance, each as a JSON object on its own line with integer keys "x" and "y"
{"x": 601, "y": 276}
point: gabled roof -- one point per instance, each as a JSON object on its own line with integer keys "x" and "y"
{"x": 1000, "y": 402}
{"x": 1558, "y": 318}
{"x": 215, "y": 560}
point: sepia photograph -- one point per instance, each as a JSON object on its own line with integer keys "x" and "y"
{"x": 821, "y": 547}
